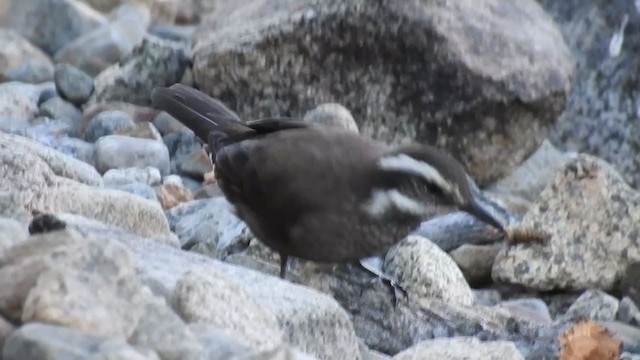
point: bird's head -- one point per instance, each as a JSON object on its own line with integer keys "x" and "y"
{"x": 417, "y": 180}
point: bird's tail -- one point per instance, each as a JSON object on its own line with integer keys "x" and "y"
{"x": 202, "y": 114}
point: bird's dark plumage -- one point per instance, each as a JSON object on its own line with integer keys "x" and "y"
{"x": 320, "y": 194}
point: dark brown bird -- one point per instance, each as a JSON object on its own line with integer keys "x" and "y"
{"x": 317, "y": 193}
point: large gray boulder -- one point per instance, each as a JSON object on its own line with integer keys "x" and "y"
{"x": 484, "y": 79}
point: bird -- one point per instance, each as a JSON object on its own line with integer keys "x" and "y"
{"x": 321, "y": 193}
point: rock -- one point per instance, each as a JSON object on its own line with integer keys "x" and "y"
{"x": 57, "y": 108}
{"x": 12, "y": 206}
{"x": 139, "y": 114}
{"x": 591, "y": 217}
{"x": 38, "y": 341}
{"x": 52, "y": 24}
{"x": 75, "y": 148}
{"x": 118, "y": 177}
{"x": 310, "y": 321}
{"x": 534, "y": 174}
{"x": 332, "y": 114}
{"x": 452, "y": 230}
{"x": 107, "y": 123}
{"x": 195, "y": 164}
{"x": 629, "y": 356}
{"x": 476, "y": 262}
{"x": 461, "y": 348}
{"x": 534, "y": 310}
{"x": 629, "y": 335}
{"x": 171, "y": 195}
{"x": 209, "y": 227}
{"x": 91, "y": 228}
{"x": 142, "y": 131}
{"x": 167, "y": 124}
{"x": 11, "y": 233}
{"x": 129, "y": 212}
{"x": 68, "y": 296}
{"x": 19, "y": 104}
{"x": 425, "y": 271}
{"x": 491, "y": 105}
{"x": 218, "y": 345}
{"x": 143, "y": 190}
{"x": 486, "y": 297}
{"x": 108, "y": 44}
{"x": 594, "y": 305}
{"x": 73, "y": 84}
{"x": 31, "y": 72}
{"x": 117, "y": 152}
{"x": 211, "y": 297}
{"x": 6, "y": 329}
{"x": 153, "y": 63}
{"x": 50, "y": 278}
{"x": 173, "y": 180}
{"x": 162, "y": 330}
{"x": 59, "y": 163}
{"x": 629, "y": 284}
{"x": 17, "y": 51}
{"x": 628, "y": 312}
{"x": 601, "y": 115}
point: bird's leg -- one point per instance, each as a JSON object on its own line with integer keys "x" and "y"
{"x": 373, "y": 265}
{"x": 283, "y": 265}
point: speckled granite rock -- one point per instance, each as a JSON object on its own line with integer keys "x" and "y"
{"x": 593, "y": 218}
{"x": 419, "y": 76}
{"x": 461, "y": 348}
{"x": 601, "y": 117}
{"x": 425, "y": 271}
{"x": 153, "y": 63}
{"x": 332, "y": 114}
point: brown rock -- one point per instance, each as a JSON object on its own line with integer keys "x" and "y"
{"x": 144, "y": 130}
{"x": 171, "y": 195}
{"x": 589, "y": 341}
{"x": 138, "y": 114}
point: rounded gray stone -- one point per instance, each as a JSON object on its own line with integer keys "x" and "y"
{"x": 72, "y": 83}
{"x": 107, "y": 123}
{"x": 116, "y": 152}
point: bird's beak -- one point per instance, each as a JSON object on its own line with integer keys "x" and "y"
{"x": 474, "y": 208}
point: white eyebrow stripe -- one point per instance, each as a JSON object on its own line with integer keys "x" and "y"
{"x": 384, "y": 200}
{"x": 407, "y": 164}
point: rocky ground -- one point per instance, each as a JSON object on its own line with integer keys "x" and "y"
{"x": 115, "y": 242}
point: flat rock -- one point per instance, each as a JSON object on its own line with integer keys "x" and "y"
{"x": 51, "y": 24}
{"x": 117, "y": 152}
{"x": 592, "y": 217}
{"x": 118, "y": 177}
{"x": 211, "y": 297}
{"x": 531, "y": 309}
{"x": 60, "y": 109}
{"x": 461, "y": 348}
{"x": 310, "y": 321}
{"x": 59, "y": 163}
{"x": 40, "y": 341}
{"x": 144, "y": 130}
{"x": 425, "y": 271}
{"x": 492, "y": 105}
{"x": 130, "y": 212}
